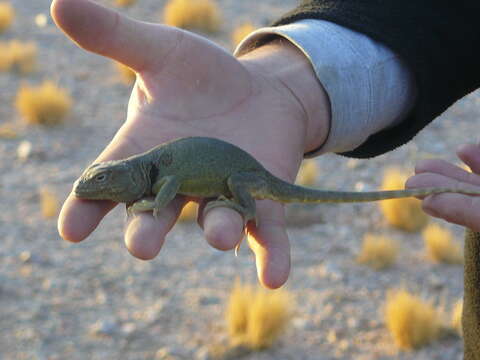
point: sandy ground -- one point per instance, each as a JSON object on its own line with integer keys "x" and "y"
{"x": 95, "y": 301}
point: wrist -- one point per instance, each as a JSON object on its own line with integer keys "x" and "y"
{"x": 290, "y": 67}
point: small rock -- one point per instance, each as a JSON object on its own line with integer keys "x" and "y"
{"x": 104, "y": 328}
{"x": 203, "y": 354}
{"x": 24, "y": 150}
{"x": 128, "y": 328}
{"x": 25, "y": 256}
{"x": 436, "y": 283}
{"x": 209, "y": 300}
{"x": 41, "y": 20}
{"x": 172, "y": 353}
{"x": 330, "y": 270}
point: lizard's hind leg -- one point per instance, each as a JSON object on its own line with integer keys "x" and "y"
{"x": 241, "y": 186}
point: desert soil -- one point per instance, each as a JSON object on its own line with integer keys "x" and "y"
{"x": 94, "y": 301}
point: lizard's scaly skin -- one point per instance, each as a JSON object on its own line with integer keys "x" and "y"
{"x": 211, "y": 168}
{"x": 204, "y": 167}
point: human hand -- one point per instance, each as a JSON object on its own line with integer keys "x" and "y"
{"x": 456, "y": 208}
{"x": 268, "y": 102}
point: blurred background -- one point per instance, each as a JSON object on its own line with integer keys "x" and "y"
{"x": 368, "y": 281}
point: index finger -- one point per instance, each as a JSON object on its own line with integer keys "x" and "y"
{"x": 79, "y": 218}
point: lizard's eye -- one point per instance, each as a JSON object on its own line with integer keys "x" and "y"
{"x": 100, "y": 178}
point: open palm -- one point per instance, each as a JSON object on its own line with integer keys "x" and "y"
{"x": 187, "y": 86}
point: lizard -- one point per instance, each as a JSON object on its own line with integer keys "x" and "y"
{"x": 211, "y": 168}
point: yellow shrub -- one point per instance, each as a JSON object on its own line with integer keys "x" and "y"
{"x": 125, "y": 3}
{"x": 202, "y": 15}
{"x": 127, "y": 75}
{"x": 440, "y": 246}
{"x": 457, "y": 317}
{"x": 49, "y": 202}
{"x": 268, "y": 317}
{"x": 5, "y": 57}
{"x": 241, "y": 32}
{"x": 46, "y": 104}
{"x": 405, "y": 214}
{"x": 378, "y": 252}
{"x": 308, "y": 173}
{"x": 23, "y": 56}
{"x": 256, "y": 318}
{"x": 189, "y": 212}
{"x": 7, "y": 14}
{"x": 237, "y": 310}
{"x": 411, "y": 321}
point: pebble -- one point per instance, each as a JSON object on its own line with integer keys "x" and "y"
{"x": 24, "y": 150}
{"x": 104, "y": 328}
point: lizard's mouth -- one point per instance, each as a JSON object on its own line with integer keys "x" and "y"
{"x": 83, "y": 191}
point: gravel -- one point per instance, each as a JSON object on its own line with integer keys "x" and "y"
{"x": 94, "y": 301}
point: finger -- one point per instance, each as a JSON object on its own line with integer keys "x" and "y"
{"x": 425, "y": 180}
{"x": 455, "y": 208}
{"x": 446, "y": 170}
{"x": 79, "y": 218}
{"x": 470, "y": 155}
{"x": 223, "y": 227}
{"x": 269, "y": 242}
{"x": 95, "y": 28}
{"x": 441, "y": 167}
{"x": 145, "y": 235}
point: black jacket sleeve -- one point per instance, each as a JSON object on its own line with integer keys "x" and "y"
{"x": 439, "y": 40}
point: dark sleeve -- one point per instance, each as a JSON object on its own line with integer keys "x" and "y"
{"x": 438, "y": 39}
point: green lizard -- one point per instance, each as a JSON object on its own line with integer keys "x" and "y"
{"x": 211, "y": 168}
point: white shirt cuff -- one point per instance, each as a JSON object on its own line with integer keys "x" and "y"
{"x": 369, "y": 86}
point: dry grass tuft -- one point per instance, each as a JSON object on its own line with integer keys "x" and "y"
{"x": 411, "y": 321}
{"x": 49, "y": 203}
{"x": 125, "y": 3}
{"x": 24, "y": 56}
{"x": 440, "y": 245}
{"x": 308, "y": 173}
{"x": 5, "y": 57}
{"x": 202, "y": 15}
{"x": 241, "y": 32}
{"x": 7, "y": 14}
{"x": 46, "y": 104}
{"x": 405, "y": 214}
{"x": 378, "y": 252}
{"x": 127, "y": 75}
{"x": 457, "y": 317}
{"x": 189, "y": 212}
{"x": 238, "y": 308}
{"x": 17, "y": 55}
{"x": 257, "y": 317}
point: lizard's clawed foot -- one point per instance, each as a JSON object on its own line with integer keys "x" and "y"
{"x": 142, "y": 205}
{"x": 224, "y": 202}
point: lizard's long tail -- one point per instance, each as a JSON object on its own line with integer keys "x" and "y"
{"x": 289, "y": 193}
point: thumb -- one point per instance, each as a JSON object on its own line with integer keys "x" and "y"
{"x": 106, "y": 32}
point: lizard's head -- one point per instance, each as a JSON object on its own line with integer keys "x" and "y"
{"x": 110, "y": 180}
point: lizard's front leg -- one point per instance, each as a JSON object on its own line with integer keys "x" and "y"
{"x": 241, "y": 186}
{"x": 165, "y": 189}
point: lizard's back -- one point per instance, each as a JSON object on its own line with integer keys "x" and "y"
{"x": 202, "y": 164}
